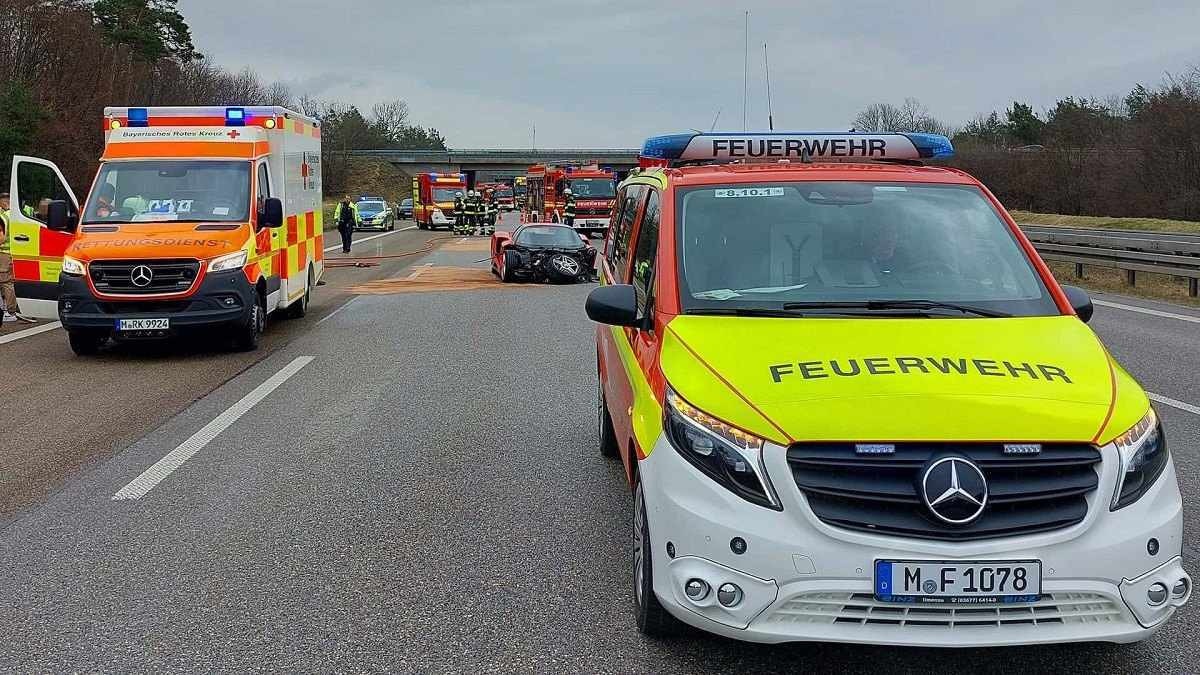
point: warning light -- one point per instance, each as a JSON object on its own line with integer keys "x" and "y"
{"x": 269, "y": 123}
{"x": 235, "y": 117}
{"x": 114, "y": 124}
{"x": 139, "y": 117}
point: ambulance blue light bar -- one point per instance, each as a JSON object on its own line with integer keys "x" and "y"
{"x": 235, "y": 117}
{"x": 139, "y": 117}
{"x": 796, "y": 145}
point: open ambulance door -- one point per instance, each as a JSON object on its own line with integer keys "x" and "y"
{"x": 37, "y": 251}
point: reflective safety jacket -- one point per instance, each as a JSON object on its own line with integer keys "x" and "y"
{"x": 351, "y": 213}
{"x": 4, "y": 247}
{"x": 569, "y": 207}
{"x": 460, "y": 206}
{"x": 472, "y": 206}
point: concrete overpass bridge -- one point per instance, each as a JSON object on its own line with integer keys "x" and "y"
{"x": 488, "y": 164}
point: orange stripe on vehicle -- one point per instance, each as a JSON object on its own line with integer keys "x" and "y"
{"x": 1112, "y": 401}
{"x": 310, "y": 224}
{"x": 291, "y": 230}
{"x": 183, "y": 149}
{"x": 729, "y": 384}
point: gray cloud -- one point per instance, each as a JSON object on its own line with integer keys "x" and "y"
{"x": 607, "y": 74}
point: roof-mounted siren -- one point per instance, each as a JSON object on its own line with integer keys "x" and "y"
{"x": 715, "y": 148}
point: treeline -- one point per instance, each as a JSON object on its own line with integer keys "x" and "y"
{"x": 63, "y": 61}
{"x": 1132, "y": 155}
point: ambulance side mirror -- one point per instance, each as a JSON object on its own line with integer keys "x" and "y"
{"x": 272, "y": 213}
{"x": 614, "y": 305}
{"x": 1081, "y": 301}
{"x": 58, "y": 216}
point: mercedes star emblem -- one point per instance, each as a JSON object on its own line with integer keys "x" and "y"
{"x": 954, "y": 490}
{"x": 141, "y": 276}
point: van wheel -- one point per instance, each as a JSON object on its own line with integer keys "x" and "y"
{"x": 85, "y": 343}
{"x": 607, "y": 437}
{"x": 247, "y": 337}
{"x": 297, "y": 310}
{"x": 652, "y": 619}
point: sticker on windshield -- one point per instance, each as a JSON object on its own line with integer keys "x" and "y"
{"x": 749, "y": 192}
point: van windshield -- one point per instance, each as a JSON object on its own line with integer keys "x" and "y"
{"x": 445, "y": 194}
{"x": 163, "y": 190}
{"x": 869, "y": 248}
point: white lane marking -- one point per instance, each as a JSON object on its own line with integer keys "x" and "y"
{"x": 374, "y": 236}
{"x": 334, "y": 312}
{"x": 138, "y": 487}
{"x": 1147, "y": 310}
{"x": 419, "y": 271}
{"x": 36, "y": 330}
{"x": 1166, "y": 400}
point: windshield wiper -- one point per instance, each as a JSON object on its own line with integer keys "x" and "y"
{"x": 742, "y": 311}
{"x": 884, "y": 305}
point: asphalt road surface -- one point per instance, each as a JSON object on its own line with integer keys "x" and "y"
{"x": 410, "y": 484}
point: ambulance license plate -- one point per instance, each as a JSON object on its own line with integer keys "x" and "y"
{"x": 926, "y": 581}
{"x": 143, "y": 324}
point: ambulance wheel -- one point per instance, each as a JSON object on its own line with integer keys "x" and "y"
{"x": 608, "y": 437}
{"x": 246, "y": 339}
{"x": 85, "y": 343}
{"x": 299, "y": 309}
{"x": 652, "y": 619}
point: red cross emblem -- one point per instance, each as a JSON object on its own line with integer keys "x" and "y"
{"x": 233, "y": 133}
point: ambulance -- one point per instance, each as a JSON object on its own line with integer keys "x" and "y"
{"x": 853, "y": 405}
{"x": 433, "y": 198}
{"x": 592, "y": 187}
{"x": 200, "y": 218}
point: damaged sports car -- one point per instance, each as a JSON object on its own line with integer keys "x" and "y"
{"x": 542, "y": 252}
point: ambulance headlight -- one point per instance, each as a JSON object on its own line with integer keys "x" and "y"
{"x": 233, "y": 261}
{"x": 72, "y": 266}
{"x": 726, "y": 454}
{"x": 1144, "y": 456}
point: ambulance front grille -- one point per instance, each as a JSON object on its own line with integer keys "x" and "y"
{"x": 130, "y": 277}
{"x": 862, "y": 609}
{"x": 880, "y": 493}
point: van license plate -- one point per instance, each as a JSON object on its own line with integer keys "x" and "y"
{"x": 997, "y": 581}
{"x": 143, "y": 324}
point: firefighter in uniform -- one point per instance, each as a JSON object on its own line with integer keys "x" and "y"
{"x": 472, "y": 211}
{"x": 480, "y": 213}
{"x": 460, "y": 211}
{"x": 568, "y": 208}
{"x": 489, "y": 211}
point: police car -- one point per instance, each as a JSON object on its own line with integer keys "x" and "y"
{"x": 854, "y": 405}
{"x": 375, "y": 214}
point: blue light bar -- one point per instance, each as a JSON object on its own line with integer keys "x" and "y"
{"x": 933, "y": 146}
{"x": 719, "y": 147}
{"x": 139, "y": 117}
{"x": 666, "y": 147}
{"x": 235, "y": 117}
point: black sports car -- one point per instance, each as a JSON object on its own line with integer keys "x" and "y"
{"x": 542, "y": 252}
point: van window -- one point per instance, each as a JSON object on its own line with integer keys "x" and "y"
{"x": 642, "y": 271}
{"x": 137, "y": 191}
{"x": 264, "y": 186}
{"x": 622, "y": 228}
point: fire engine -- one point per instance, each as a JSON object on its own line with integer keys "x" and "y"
{"x": 594, "y": 190}
{"x": 433, "y": 198}
{"x": 502, "y": 191}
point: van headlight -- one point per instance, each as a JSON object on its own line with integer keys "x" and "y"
{"x": 72, "y": 266}
{"x": 1144, "y": 455}
{"x": 728, "y": 455}
{"x": 233, "y": 261}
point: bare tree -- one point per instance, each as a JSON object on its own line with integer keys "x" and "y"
{"x": 391, "y": 118}
{"x": 912, "y": 116}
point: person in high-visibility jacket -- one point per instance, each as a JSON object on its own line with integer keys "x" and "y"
{"x": 568, "y": 208}
{"x": 8, "y": 291}
{"x": 489, "y": 212}
{"x": 472, "y": 211}
{"x": 460, "y": 212}
{"x": 346, "y": 217}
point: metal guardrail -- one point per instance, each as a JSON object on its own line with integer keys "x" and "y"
{"x": 1131, "y": 251}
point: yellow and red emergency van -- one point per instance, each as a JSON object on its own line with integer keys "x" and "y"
{"x": 199, "y": 218}
{"x": 593, "y": 188}
{"x": 854, "y": 405}
{"x": 433, "y": 198}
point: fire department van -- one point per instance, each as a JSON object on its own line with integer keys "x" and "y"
{"x": 433, "y": 198}
{"x": 592, "y": 187}
{"x": 854, "y": 405}
{"x": 199, "y": 218}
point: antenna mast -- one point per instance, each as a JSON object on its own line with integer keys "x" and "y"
{"x": 746, "y": 71}
{"x": 715, "y": 118}
{"x": 767, "y": 70}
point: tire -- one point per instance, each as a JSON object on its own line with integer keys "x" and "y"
{"x": 559, "y": 276}
{"x": 607, "y": 436}
{"x": 85, "y": 343}
{"x": 247, "y": 337}
{"x": 652, "y": 619}
{"x": 297, "y": 310}
{"x": 506, "y": 274}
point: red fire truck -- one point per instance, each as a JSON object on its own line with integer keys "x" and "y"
{"x": 594, "y": 189}
{"x": 433, "y": 198}
{"x": 502, "y": 191}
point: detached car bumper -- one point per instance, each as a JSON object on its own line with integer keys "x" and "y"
{"x": 223, "y": 299}
{"x": 805, "y": 580}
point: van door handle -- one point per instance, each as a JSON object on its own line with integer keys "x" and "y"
{"x": 21, "y": 237}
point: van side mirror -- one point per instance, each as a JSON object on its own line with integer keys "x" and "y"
{"x": 1081, "y": 301}
{"x": 614, "y": 305}
{"x": 272, "y": 213}
{"x": 58, "y": 216}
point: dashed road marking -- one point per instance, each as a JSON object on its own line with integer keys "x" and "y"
{"x": 1147, "y": 310}
{"x": 29, "y": 332}
{"x": 138, "y": 487}
{"x": 1180, "y": 405}
{"x": 374, "y": 236}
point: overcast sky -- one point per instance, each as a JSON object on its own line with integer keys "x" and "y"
{"x": 597, "y": 73}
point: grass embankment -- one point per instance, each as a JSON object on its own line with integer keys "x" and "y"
{"x": 1106, "y": 223}
{"x": 369, "y": 176}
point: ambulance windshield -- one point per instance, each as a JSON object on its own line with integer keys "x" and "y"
{"x": 852, "y": 247}
{"x": 593, "y": 188}
{"x": 139, "y": 191}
